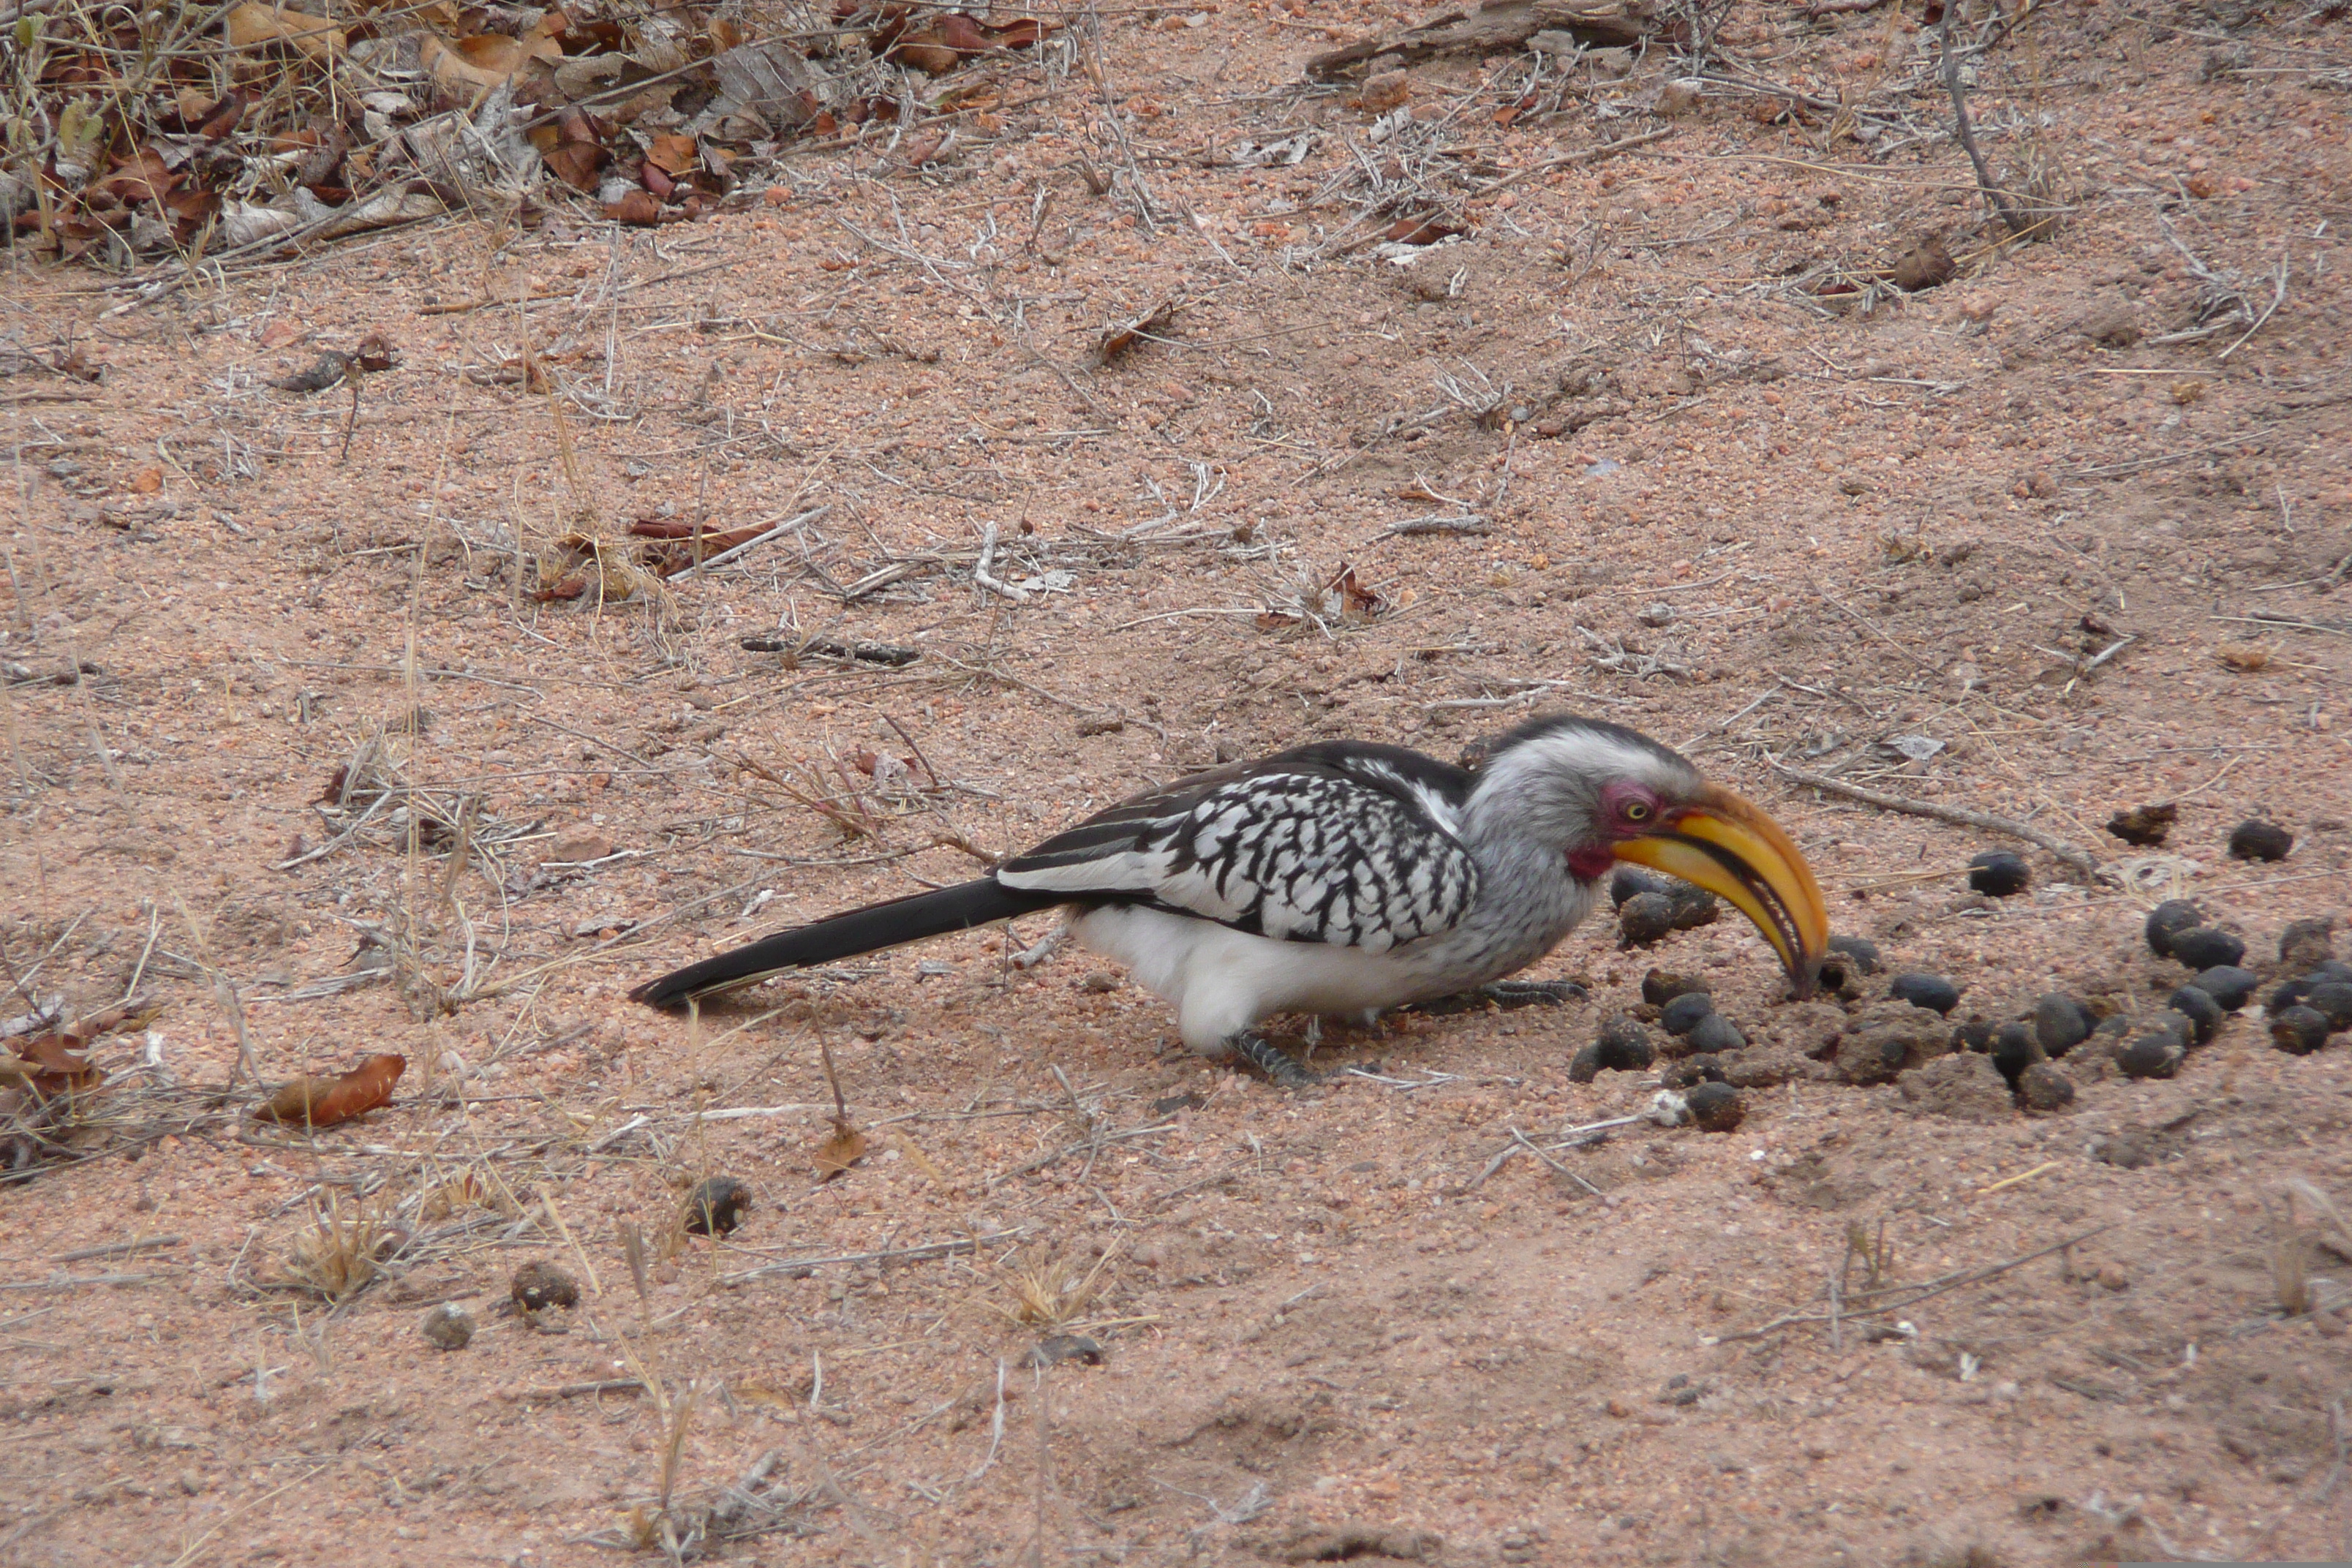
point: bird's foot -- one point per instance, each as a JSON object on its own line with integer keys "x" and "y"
{"x": 1507, "y": 995}
{"x": 1262, "y": 1054}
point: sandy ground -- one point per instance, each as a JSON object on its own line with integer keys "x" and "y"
{"x": 1319, "y": 1324}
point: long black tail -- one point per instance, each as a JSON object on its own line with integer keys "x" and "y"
{"x": 869, "y": 930}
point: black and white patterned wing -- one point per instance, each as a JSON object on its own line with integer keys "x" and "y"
{"x": 1351, "y": 845}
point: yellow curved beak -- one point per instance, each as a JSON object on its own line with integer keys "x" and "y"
{"x": 1727, "y": 846}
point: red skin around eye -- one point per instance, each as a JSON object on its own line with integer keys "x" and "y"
{"x": 1591, "y": 862}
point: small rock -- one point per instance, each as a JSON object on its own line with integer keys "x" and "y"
{"x": 2197, "y": 1005}
{"x": 1630, "y": 881}
{"x": 1715, "y": 1107}
{"x": 1661, "y": 986}
{"x": 2110, "y": 324}
{"x": 448, "y": 1327}
{"x": 2206, "y": 947}
{"x": 715, "y": 1205}
{"x": 2156, "y": 1053}
{"x": 1097, "y": 983}
{"x": 2130, "y": 1150}
{"x": 1963, "y": 1088}
{"x": 578, "y": 846}
{"x": 1932, "y": 992}
{"x": 1693, "y": 1069}
{"x": 2260, "y": 840}
{"x": 1643, "y": 919}
{"x": 1658, "y": 614}
{"x": 2299, "y": 1031}
{"x": 1677, "y": 96}
{"x": 1763, "y": 1066}
{"x": 1715, "y": 1034}
{"x": 2044, "y": 1088}
{"x": 2061, "y": 1024}
{"x": 2305, "y": 943}
{"x": 1625, "y": 1045}
{"x": 1998, "y": 873}
{"x": 2166, "y": 921}
{"x": 2228, "y": 984}
{"x": 539, "y": 1285}
{"x": 1693, "y": 906}
{"x": 2332, "y": 1002}
{"x": 2144, "y": 827}
{"x": 1681, "y": 1015}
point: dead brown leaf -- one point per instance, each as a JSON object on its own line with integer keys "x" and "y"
{"x": 324, "y": 1102}
{"x": 1117, "y": 339}
{"x": 254, "y": 26}
{"x": 843, "y": 1149}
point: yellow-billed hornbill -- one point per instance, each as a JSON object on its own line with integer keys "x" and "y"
{"x": 1346, "y": 877}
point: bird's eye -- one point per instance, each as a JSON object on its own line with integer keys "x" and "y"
{"x": 1637, "y": 811}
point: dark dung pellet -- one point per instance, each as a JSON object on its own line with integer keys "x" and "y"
{"x": 2207, "y": 947}
{"x": 539, "y": 1285}
{"x": 1860, "y": 954}
{"x": 1691, "y": 1070}
{"x": 2258, "y": 840}
{"x": 2044, "y": 1088}
{"x": 2197, "y": 1005}
{"x": 2061, "y": 1024}
{"x": 1630, "y": 881}
{"x": 1682, "y": 1014}
{"x": 1660, "y": 987}
{"x": 2307, "y": 941}
{"x": 1694, "y": 907}
{"x": 2230, "y": 986}
{"x": 1976, "y": 1035}
{"x": 1585, "y": 1066}
{"x": 1715, "y": 1106}
{"x": 1716, "y": 1033}
{"x": 2166, "y": 919}
{"x": 2014, "y": 1049}
{"x": 1998, "y": 873}
{"x": 2332, "y": 1001}
{"x": 715, "y": 1205}
{"x": 1645, "y": 918}
{"x": 2299, "y": 1031}
{"x": 2144, "y": 827}
{"x": 1932, "y": 992}
{"x": 1625, "y": 1045}
{"x": 2156, "y": 1053}
{"x": 2114, "y": 1028}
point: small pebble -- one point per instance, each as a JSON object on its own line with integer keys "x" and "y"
{"x": 448, "y": 1327}
{"x": 1998, "y": 873}
{"x": 1058, "y": 1347}
{"x": 1716, "y": 1033}
{"x": 538, "y": 1285}
{"x": 2307, "y": 941}
{"x": 715, "y": 1205}
{"x": 2197, "y": 1005}
{"x": 1932, "y": 992}
{"x": 2206, "y": 947}
{"x": 2156, "y": 1053}
{"x": 2166, "y": 919}
{"x": 1715, "y": 1107}
{"x": 2299, "y": 1031}
{"x": 2061, "y": 1024}
{"x": 1681, "y": 1015}
{"x": 2014, "y": 1049}
{"x": 2044, "y": 1088}
{"x": 2228, "y": 984}
{"x": 1625, "y": 1045}
{"x": 2332, "y": 1002}
{"x": 1630, "y": 881}
{"x": 1643, "y": 919}
{"x": 1661, "y": 986}
{"x": 1691, "y": 1070}
{"x": 2260, "y": 840}
{"x": 1693, "y": 906}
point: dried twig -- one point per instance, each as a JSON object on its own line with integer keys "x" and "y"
{"x": 1960, "y": 817}
{"x": 1911, "y": 1297}
{"x": 1965, "y": 123}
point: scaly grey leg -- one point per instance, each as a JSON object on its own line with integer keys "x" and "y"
{"x": 1261, "y": 1053}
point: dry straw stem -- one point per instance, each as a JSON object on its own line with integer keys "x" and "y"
{"x": 1960, "y": 817}
{"x": 1911, "y": 1297}
{"x": 335, "y": 1256}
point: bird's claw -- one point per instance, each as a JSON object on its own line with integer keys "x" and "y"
{"x": 1262, "y": 1054}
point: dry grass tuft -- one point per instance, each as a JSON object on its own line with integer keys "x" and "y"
{"x": 337, "y": 1254}
{"x": 1050, "y": 1293}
